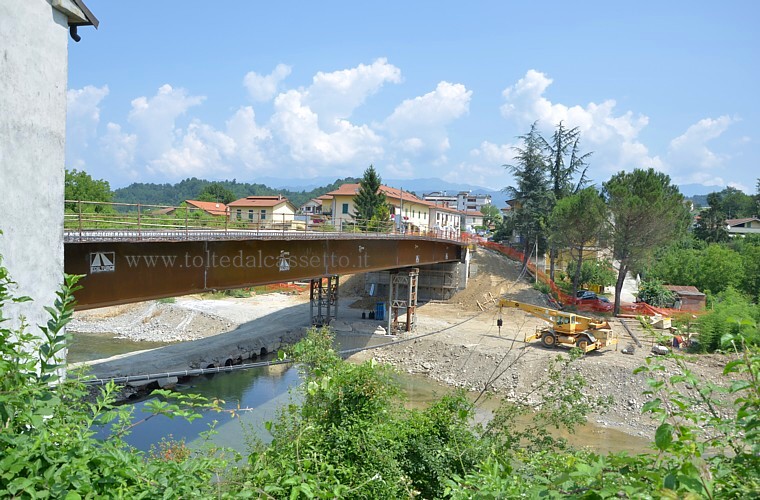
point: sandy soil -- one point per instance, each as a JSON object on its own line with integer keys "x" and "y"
{"x": 455, "y": 342}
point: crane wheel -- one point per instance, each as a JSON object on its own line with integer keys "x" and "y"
{"x": 548, "y": 339}
{"x": 582, "y": 344}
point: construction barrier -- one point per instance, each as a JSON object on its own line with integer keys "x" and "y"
{"x": 626, "y": 308}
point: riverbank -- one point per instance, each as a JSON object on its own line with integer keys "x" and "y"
{"x": 455, "y": 343}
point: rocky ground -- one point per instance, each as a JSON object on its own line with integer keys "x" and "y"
{"x": 456, "y": 342}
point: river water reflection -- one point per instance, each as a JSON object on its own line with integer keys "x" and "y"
{"x": 259, "y": 392}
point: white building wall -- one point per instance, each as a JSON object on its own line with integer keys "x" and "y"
{"x": 33, "y": 79}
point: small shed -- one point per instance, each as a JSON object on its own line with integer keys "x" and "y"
{"x": 688, "y": 298}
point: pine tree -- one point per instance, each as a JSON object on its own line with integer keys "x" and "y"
{"x": 531, "y": 190}
{"x": 369, "y": 201}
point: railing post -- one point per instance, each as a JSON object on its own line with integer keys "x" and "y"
{"x": 139, "y": 221}
{"x": 187, "y": 232}
{"x": 79, "y": 205}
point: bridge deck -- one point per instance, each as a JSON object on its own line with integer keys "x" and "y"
{"x": 122, "y": 266}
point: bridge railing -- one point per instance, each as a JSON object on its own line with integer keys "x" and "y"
{"x": 88, "y": 220}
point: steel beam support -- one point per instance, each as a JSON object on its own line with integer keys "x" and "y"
{"x": 323, "y": 300}
{"x": 403, "y": 300}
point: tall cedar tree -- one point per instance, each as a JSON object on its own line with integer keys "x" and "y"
{"x": 369, "y": 200}
{"x": 564, "y": 161}
{"x": 647, "y": 212}
{"x": 577, "y": 221}
{"x": 531, "y": 191}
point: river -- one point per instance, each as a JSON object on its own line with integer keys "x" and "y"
{"x": 256, "y": 394}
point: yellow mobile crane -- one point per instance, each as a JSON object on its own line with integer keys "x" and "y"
{"x": 566, "y": 328}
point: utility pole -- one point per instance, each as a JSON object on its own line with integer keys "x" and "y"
{"x": 536, "y": 260}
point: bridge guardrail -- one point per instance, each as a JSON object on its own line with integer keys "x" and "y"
{"x": 94, "y": 221}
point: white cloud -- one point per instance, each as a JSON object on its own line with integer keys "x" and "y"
{"x": 334, "y": 96}
{"x": 154, "y": 119}
{"x": 249, "y": 139}
{"x": 298, "y": 127}
{"x": 691, "y": 146}
{"x": 263, "y": 88}
{"x": 614, "y": 138}
{"x": 82, "y": 119}
{"x": 203, "y": 151}
{"x": 119, "y": 148}
{"x": 419, "y": 125}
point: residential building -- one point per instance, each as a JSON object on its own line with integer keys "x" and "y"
{"x": 311, "y": 207}
{"x": 406, "y": 209}
{"x": 748, "y": 225}
{"x": 468, "y": 201}
{"x": 444, "y": 218}
{"x": 263, "y": 211}
{"x": 441, "y": 198}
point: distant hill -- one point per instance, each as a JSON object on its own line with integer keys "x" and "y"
{"x": 189, "y": 189}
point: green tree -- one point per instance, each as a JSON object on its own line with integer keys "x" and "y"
{"x": 751, "y": 275}
{"x": 80, "y": 186}
{"x": 577, "y": 222}
{"x": 564, "y": 161}
{"x": 491, "y": 215}
{"x": 369, "y": 201}
{"x": 729, "y": 203}
{"x": 648, "y": 212}
{"x": 719, "y": 268}
{"x": 216, "y": 192}
{"x": 531, "y": 189}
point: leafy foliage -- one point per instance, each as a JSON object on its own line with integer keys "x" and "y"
{"x": 216, "y": 192}
{"x": 594, "y": 272}
{"x": 732, "y": 317}
{"x": 648, "y": 212}
{"x": 79, "y": 185}
{"x": 654, "y": 293}
{"x": 577, "y": 222}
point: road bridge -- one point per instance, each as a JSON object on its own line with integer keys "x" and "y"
{"x": 128, "y": 265}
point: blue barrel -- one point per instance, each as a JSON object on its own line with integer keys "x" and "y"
{"x": 380, "y": 311}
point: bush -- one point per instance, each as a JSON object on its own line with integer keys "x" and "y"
{"x": 655, "y": 294}
{"x": 733, "y": 316}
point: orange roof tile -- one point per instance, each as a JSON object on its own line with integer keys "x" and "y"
{"x": 209, "y": 206}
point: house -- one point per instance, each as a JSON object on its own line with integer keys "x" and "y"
{"x": 412, "y": 211}
{"x": 444, "y": 218}
{"x": 472, "y": 219}
{"x": 263, "y": 211}
{"x": 748, "y": 225}
{"x": 688, "y": 298}
{"x": 311, "y": 207}
{"x": 210, "y": 207}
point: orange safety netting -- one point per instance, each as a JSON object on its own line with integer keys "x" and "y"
{"x": 626, "y": 308}
{"x": 285, "y": 287}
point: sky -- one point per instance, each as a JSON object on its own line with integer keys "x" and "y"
{"x": 166, "y": 90}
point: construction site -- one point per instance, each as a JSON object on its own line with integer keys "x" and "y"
{"x": 453, "y": 338}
